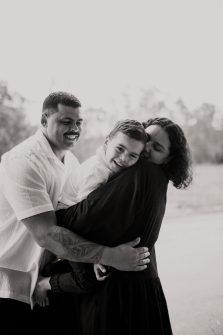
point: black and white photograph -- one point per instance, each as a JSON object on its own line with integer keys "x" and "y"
{"x": 111, "y": 167}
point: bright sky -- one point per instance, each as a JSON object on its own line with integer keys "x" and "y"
{"x": 98, "y": 49}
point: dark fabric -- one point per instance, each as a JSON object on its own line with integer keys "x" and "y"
{"x": 131, "y": 204}
{"x": 80, "y": 279}
{"x": 60, "y": 317}
{"x": 58, "y": 266}
{"x": 130, "y": 305}
{"x": 69, "y": 277}
{"x": 16, "y": 317}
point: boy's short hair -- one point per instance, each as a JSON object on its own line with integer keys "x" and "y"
{"x": 63, "y": 98}
{"x": 131, "y": 128}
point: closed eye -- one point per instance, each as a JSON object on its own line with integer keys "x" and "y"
{"x": 157, "y": 147}
{"x": 66, "y": 122}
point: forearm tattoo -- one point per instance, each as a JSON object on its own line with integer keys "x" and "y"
{"x": 68, "y": 245}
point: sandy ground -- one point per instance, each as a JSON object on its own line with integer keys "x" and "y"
{"x": 190, "y": 263}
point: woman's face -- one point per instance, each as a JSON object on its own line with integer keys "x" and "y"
{"x": 158, "y": 147}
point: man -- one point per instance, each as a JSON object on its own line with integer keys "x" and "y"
{"x": 31, "y": 179}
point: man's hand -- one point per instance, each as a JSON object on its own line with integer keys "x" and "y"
{"x": 125, "y": 257}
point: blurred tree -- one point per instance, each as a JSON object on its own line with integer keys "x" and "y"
{"x": 96, "y": 126}
{"x": 203, "y": 126}
{"x": 14, "y": 126}
{"x": 205, "y": 139}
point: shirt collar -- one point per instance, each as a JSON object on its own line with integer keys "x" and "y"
{"x": 100, "y": 153}
{"x": 45, "y": 146}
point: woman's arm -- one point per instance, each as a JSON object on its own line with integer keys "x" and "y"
{"x": 129, "y": 205}
{"x": 79, "y": 280}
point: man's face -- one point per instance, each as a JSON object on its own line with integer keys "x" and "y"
{"x": 63, "y": 127}
{"x": 122, "y": 151}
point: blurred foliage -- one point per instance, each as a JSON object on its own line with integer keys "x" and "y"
{"x": 14, "y": 127}
{"x": 203, "y": 126}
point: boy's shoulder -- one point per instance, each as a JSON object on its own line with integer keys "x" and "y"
{"x": 96, "y": 161}
{"x": 145, "y": 171}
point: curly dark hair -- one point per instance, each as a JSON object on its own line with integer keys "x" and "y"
{"x": 179, "y": 166}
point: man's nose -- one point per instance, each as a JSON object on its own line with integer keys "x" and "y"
{"x": 74, "y": 127}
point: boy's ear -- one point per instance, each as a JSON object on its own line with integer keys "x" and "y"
{"x": 44, "y": 120}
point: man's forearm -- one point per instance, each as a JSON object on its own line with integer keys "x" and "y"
{"x": 71, "y": 246}
{"x": 68, "y": 245}
{"x": 61, "y": 241}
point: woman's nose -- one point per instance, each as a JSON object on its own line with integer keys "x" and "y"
{"x": 148, "y": 146}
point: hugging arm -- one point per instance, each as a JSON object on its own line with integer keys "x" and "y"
{"x": 130, "y": 204}
{"x": 26, "y": 190}
{"x": 116, "y": 212}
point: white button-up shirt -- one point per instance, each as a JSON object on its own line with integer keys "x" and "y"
{"x": 31, "y": 181}
{"x": 88, "y": 176}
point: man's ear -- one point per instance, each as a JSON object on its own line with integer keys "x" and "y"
{"x": 44, "y": 120}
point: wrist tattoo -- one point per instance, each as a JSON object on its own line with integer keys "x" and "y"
{"x": 68, "y": 245}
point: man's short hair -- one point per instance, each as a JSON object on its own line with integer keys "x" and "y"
{"x": 131, "y": 128}
{"x": 63, "y": 98}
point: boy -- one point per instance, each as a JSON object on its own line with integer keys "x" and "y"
{"x": 122, "y": 149}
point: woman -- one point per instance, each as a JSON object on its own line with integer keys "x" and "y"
{"x": 131, "y": 204}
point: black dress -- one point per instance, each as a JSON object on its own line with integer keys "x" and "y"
{"x": 131, "y": 204}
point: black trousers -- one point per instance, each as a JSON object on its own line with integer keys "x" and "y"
{"x": 15, "y": 317}
{"x": 60, "y": 317}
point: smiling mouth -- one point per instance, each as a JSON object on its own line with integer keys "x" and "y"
{"x": 71, "y": 137}
{"x": 120, "y": 166}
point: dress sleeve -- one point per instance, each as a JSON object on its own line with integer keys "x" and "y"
{"x": 79, "y": 280}
{"x": 130, "y": 204}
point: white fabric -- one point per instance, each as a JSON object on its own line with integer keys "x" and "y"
{"x": 31, "y": 181}
{"x": 86, "y": 178}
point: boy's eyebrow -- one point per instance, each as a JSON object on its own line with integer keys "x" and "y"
{"x": 133, "y": 153}
{"x": 68, "y": 118}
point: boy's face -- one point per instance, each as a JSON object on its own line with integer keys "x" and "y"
{"x": 122, "y": 151}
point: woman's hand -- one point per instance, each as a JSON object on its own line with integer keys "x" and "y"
{"x": 101, "y": 272}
